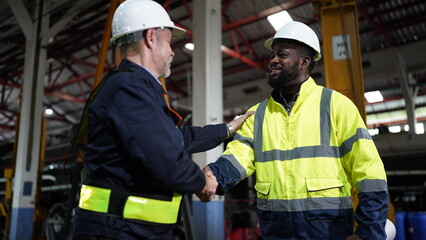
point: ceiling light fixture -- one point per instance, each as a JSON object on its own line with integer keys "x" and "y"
{"x": 373, "y": 97}
{"x": 48, "y": 111}
{"x": 278, "y": 20}
{"x": 395, "y": 129}
{"x": 189, "y": 46}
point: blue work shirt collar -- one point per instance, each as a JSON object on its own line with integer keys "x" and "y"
{"x": 128, "y": 61}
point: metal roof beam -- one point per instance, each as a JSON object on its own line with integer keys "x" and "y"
{"x": 22, "y": 16}
{"x": 264, "y": 14}
{"x": 67, "y": 17}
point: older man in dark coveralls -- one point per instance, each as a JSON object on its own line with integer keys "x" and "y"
{"x": 137, "y": 163}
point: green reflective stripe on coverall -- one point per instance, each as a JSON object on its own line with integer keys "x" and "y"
{"x": 151, "y": 210}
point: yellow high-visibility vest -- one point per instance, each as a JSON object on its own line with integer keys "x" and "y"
{"x": 308, "y": 159}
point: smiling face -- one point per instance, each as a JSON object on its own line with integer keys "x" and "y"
{"x": 286, "y": 65}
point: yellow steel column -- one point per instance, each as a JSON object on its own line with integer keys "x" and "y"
{"x": 341, "y": 49}
{"x": 105, "y": 43}
{"x": 7, "y": 202}
{"x": 342, "y": 57}
{"x": 40, "y": 215}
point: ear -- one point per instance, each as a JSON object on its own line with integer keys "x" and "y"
{"x": 305, "y": 62}
{"x": 149, "y": 38}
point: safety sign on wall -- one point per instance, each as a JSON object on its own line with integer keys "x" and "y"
{"x": 341, "y": 47}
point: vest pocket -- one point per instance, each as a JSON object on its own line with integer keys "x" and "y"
{"x": 263, "y": 187}
{"x": 325, "y": 200}
{"x": 323, "y": 187}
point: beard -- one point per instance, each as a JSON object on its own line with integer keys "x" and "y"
{"x": 164, "y": 69}
{"x": 284, "y": 78}
{"x": 163, "y": 61}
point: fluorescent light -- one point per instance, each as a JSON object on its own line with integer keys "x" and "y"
{"x": 189, "y": 46}
{"x": 278, "y": 20}
{"x": 373, "y": 131}
{"x": 406, "y": 127}
{"x": 374, "y": 96}
{"x": 395, "y": 129}
{"x": 48, "y": 111}
{"x": 420, "y": 128}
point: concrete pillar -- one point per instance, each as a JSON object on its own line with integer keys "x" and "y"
{"x": 207, "y": 105}
{"x": 30, "y": 124}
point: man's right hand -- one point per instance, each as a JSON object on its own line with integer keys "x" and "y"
{"x": 353, "y": 237}
{"x": 209, "y": 189}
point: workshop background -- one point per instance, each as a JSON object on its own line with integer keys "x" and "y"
{"x": 53, "y": 52}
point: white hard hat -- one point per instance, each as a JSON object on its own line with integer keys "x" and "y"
{"x": 300, "y": 32}
{"x": 390, "y": 230}
{"x": 137, "y": 15}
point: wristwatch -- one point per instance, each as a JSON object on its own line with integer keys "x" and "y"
{"x": 231, "y": 130}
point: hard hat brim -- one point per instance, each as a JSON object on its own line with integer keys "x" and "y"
{"x": 268, "y": 44}
{"x": 176, "y": 32}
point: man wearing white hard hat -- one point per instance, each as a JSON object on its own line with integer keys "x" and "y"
{"x": 137, "y": 161}
{"x": 308, "y": 148}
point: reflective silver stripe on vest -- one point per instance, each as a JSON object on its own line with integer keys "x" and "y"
{"x": 296, "y": 153}
{"x": 323, "y": 150}
{"x": 346, "y": 147}
{"x": 258, "y": 123}
{"x": 297, "y": 205}
{"x": 236, "y": 164}
{"x": 372, "y": 185}
{"x": 246, "y": 140}
{"x": 325, "y": 116}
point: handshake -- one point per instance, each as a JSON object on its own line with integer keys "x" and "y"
{"x": 209, "y": 190}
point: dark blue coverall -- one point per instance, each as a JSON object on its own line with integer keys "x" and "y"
{"x": 134, "y": 146}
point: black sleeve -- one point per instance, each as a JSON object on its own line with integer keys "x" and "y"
{"x": 199, "y": 139}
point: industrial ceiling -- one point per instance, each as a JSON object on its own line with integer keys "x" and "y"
{"x": 385, "y": 27}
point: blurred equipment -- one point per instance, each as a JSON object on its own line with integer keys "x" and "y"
{"x": 390, "y": 230}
